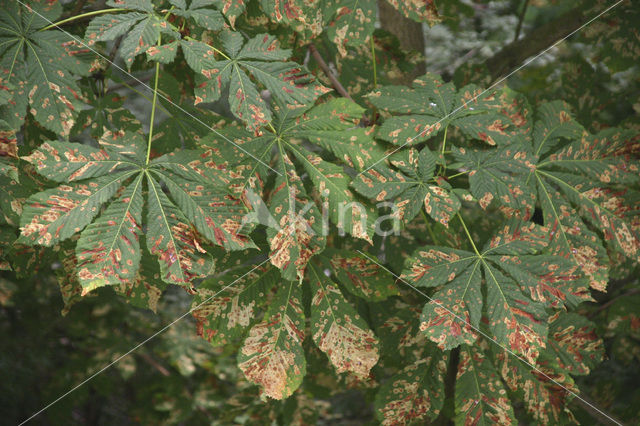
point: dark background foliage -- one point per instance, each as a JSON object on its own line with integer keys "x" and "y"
{"x": 178, "y": 377}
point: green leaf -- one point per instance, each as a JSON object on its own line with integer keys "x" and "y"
{"x": 223, "y": 314}
{"x": 423, "y": 11}
{"x": 577, "y": 187}
{"x": 39, "y": 68}
{"x": 432, "y": 105}
{"x": 332, "y": 184}
{"x": 543, "y": 399}
{"x": 360, "y": 275}
{"x": 164, "y": 54}
{"x": 207, "y": 18}
{"x": 332, "y": 126}
{"x": 453, "y": 316}
{"x": 108, "y": 252}
{"x": 231, "y": 9}
{"x": 501, "y": 175}
{"x": 145, "y": 290}
{"x": 171, "y": 237}
{"x": 397, "y": 325}
{"x": 65, "y": 162}
{"x": 272, "y": 354}
{"x": 338, "y": 330}
{"x": 56, "y": 214}
{"x": 411, "y": 188}
{"x": 12, "y": 197}
{"x": 480, "y": 396}
{"x": 574, "y": 343}
{"x": 286, "y": 81}
{"x": 140, "y": 30}
{"x": 298, "y": 235}
{"x": 200, "y": 194}
{"x": 295, "y": 229}
{"x": 350, "y": 22}
{"x": 414, "y": 394}
{"x": 303, "y": 17}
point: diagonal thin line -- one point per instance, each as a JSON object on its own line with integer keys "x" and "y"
{"x": 527, "y": 62}
{"x": 490, "y": 338}
{"x": 148, "y": 339}
{"x": 77, "y": 40}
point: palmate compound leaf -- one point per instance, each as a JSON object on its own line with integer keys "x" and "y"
{"x": 272, "y": 355}
{"x": 500, "y": 175}
{"x": 411, "y": 187}
{"x": 199, "y": 11}
{"x": 573, "y": 349}
{"x": 515, "y": 320}
{"x": 338, "y": 330}
{"x": 480, "y": 395}
{"x": 226, "y": 317}
{"x": 140, "y": 27}
{"x": 578, "y": 185}
{"x": 39, "y": 68}
{"x": 108, "y": 250}
{"x": 295, "y": 226}
{"x": 430, "y": 106}
{"x": 414, "y": 394}
{"x": 262, "y": 58}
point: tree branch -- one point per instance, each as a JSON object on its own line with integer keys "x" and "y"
{"x": 612, "y": 301}
{"x": 587, "y": 404}
{"x": 154, "y": 364}
{"x": 515, "y": 53}
{"x": 521, "y": 20}
{"x": 325, "y": 68}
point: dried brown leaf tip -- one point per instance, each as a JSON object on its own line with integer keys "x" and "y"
{"x": 272, "y": 354}
{"x": 338, "y": 329}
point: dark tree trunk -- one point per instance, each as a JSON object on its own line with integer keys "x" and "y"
{"x": 408, "y": 32}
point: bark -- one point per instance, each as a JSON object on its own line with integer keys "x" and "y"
{"x": 408, "y": 32}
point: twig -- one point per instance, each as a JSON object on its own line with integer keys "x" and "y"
{"x": 587, "y": 404}
{"x": 612, "y": 301}
{"x": 114, "y": 49}
{"x": 127, "y": 84}
{"x": 521, "y": 20}
{"x": 154, "y": 364}
{"x": 325, "y": 68}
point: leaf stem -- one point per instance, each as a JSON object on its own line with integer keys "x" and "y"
{"x": 429, "y": 229}
{"x": 456, "y": 175}
{"x": 443, "y": 167}
{"x": 188, "y": 38}
{"x": 373, "y": 57}
{"x": 374, "y": 113}
{"x": 444, "y": 140}
{"x": 81, "y": 16}
{"x": 153, "y": 105}
{"x": 466, "y": 230}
